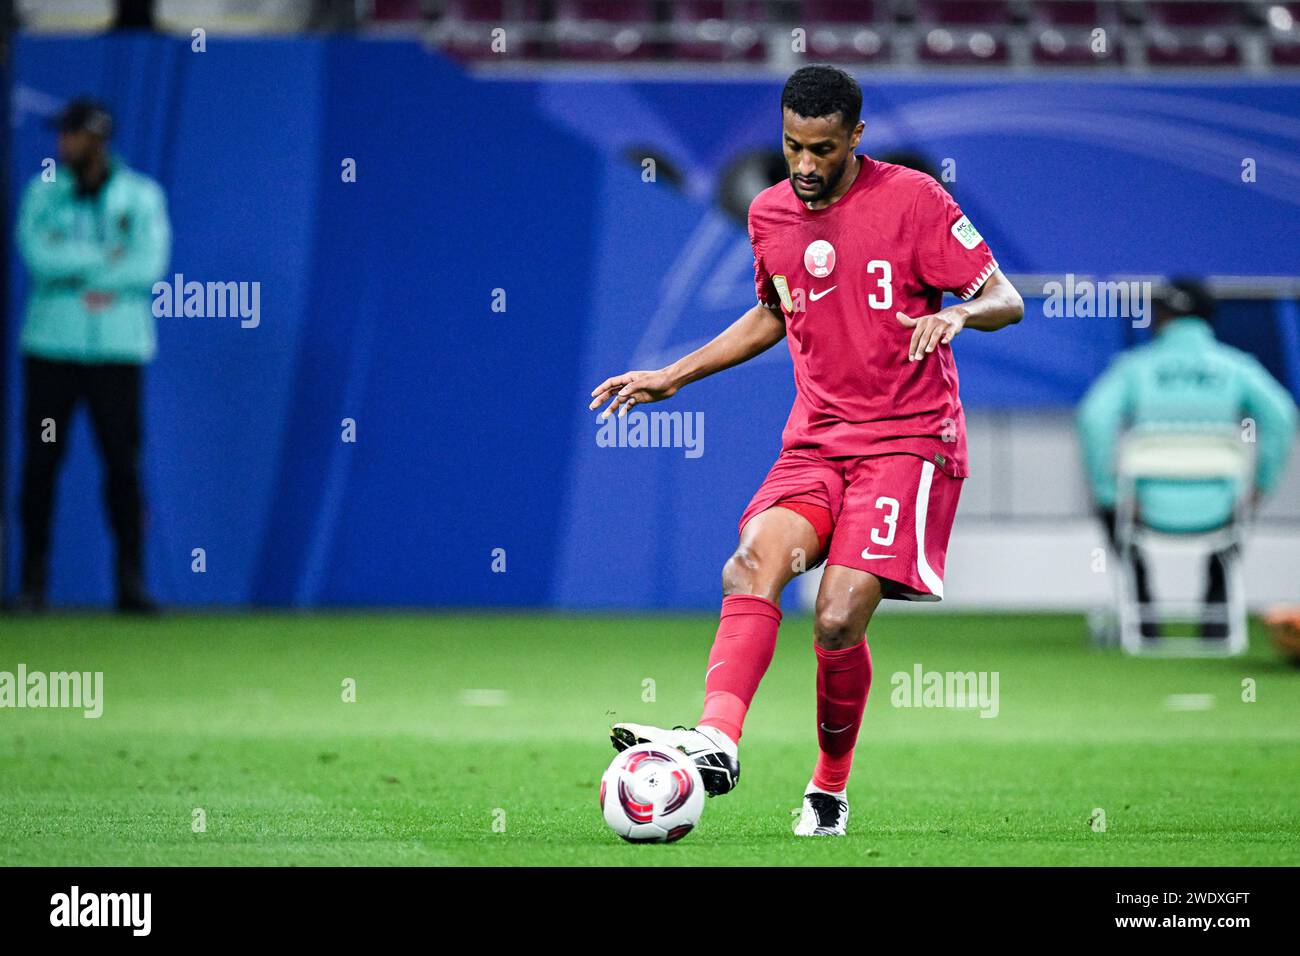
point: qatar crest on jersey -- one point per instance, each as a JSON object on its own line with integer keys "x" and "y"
{"x": 819, "y": 258}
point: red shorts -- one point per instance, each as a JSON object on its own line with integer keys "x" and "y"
{"x": 892, "y": 514}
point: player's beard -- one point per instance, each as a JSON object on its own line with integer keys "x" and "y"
{"x": 828, "y": 185}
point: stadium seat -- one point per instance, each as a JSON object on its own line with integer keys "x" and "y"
{"x": 1194, "y": 34}
{"x": 477, "y": 11}
{"x": 715, "y": 30}
{"x": 607, "y": 30}
{"x": 1181, "y": 14}
{"x": 974, "y": 46}
{"x": 1211, "y": 49}
{"x": 1283, "y": 23}
{"x": 1071, "y": 13}
{"x": 859, "y": 44}
{"x": 388, "y": 10}
{"x": 467, "y": 27}
{"x": 1063, "y": 31}
{"x": 838, "y": 11}
{"x": 1285, "y": 53}
{"x": 964, "y": 32}
{"x": 844, "y": 31}
{"x": 966, "y": 13}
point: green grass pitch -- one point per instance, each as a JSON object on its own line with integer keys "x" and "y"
{"x": 243, "y": 718}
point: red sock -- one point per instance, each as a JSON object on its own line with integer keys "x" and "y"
{"x": 741, "y": 652}
{"x": 843, "y": 681}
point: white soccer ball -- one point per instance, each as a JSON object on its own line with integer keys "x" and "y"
{"x": 652, "y": 794}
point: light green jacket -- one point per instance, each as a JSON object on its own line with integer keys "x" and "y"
{"x": 117, "y": 241}
{"x": 1184, "y": 377}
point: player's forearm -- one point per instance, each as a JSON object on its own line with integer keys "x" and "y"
{"x": 997, "y": 306}
{"x": 752, "y": 334}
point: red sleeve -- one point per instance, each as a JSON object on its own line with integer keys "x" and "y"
{"x": 763, "y": 286}
{"x": 948, "y": 251}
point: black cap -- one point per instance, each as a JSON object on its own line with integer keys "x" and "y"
{"x": 1183, "y": 296}
{"x": 84, "y": 113}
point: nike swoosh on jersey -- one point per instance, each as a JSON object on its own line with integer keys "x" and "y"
{"x": 866, "y": 554}
{"x": 840, "y": 731}
{"x": 817, "y": 295}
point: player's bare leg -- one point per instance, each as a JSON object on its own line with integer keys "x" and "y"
{"x": 845, "y": 602}
{"x": 775, "y": 546}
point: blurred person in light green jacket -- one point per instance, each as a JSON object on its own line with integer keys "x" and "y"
{"x": 95, "y": 238}
{"x": 1184, "y": 377}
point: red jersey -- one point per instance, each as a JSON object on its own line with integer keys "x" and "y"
{"x": 895, "y": 242}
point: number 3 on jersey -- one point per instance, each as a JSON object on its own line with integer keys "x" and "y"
{"x": 883, "y": 273}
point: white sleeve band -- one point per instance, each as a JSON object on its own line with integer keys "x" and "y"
{"x": 978, "y": 282}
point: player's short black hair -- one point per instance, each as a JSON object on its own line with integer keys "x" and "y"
{"x": 822, "y": 90}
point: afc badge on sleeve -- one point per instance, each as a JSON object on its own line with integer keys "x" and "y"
{"x": 966, "y": 233}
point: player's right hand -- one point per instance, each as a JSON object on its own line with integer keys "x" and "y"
{"x": 630, "y": 388}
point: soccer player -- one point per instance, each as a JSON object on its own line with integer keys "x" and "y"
{"x": 851, "y": 260}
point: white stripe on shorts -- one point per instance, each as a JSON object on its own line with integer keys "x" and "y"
{"x": 923, "y": 569}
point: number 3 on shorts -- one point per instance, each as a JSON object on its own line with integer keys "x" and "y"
{"x": 890, "y": 506}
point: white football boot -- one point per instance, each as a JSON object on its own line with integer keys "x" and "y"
{"x": 714, "y": 753}
{"x": 824, "y": 814}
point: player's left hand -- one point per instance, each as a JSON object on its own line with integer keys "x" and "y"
{"x": 632, "y": 388}
{"x": 929, "y": 331}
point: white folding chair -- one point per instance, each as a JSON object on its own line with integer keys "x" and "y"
{"x": 1171, "y": 454}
